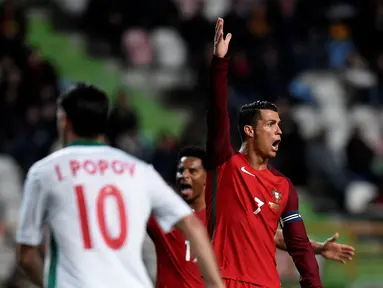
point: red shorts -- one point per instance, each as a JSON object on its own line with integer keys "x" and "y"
{"x": 238, "y": 284}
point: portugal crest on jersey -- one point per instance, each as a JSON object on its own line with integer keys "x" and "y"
{"x": 277, "y": 198}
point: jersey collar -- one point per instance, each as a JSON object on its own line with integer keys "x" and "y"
{"x": 86, "y": 142}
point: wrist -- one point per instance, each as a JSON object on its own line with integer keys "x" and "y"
{"x": 317, "y": 247}
{"x": 218, "y": 56}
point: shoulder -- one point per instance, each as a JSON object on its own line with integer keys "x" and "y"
{"x": 142, "y": 170}
{"x": 42, "y": 165}
{"x": 286, "y": 181}
{"x": 46, "y": 163}
{"x": 278, "y": 173}
{"x": 122, "y": 155}
{"x": 52, "y": 158}
{"x": 233, "y": 160}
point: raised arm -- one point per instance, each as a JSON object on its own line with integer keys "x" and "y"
{"x": 218, "y": 144}
{"x": 330, "y": 249}
{"x": 298, "y": 244}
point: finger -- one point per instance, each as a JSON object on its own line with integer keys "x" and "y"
{"x": 218, "y": 24}
{"x": 334, "y": 237}
{"x": 347, "y": 254}
{"x": 346, "y": 259}
{"x": 221, "y": 28}
{"x": 337, "y": 259}
{"x": 347, "y": 248}
{"x": 228, "y": 38}
{"x": 218, "y": 37}
{"x": 218, "y": 32}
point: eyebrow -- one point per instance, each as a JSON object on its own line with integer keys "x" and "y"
{"x": 272, "y": 121}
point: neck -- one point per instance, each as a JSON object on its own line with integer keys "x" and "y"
{"x": 198, "y": 204}
{"x": 257, "y": 162}
{"x": 73, "y": 138}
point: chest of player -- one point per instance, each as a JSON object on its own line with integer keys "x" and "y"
{"x": 257, "y": 192}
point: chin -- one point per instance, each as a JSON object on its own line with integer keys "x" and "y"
{"x": 272, "y": 155}
{"x": 189, "y": 200}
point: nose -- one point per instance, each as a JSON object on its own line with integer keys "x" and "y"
{"x": 185, "y": 174}
{"x": 279, "y": 130}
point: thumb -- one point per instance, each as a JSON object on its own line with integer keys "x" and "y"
{"x": 334, "y": 237}
{"x": 228, "y": 38}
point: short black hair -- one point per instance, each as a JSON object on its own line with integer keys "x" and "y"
{"x": 87, "y": 108}
{"x": 194, "y": 151}
{"x": 249, "y": 113}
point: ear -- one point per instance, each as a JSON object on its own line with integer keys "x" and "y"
{"x": 249, "y": 130}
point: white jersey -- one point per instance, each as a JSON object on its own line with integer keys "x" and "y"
{"x": 96, "y": 201}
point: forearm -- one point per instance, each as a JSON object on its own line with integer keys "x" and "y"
{"x": 219, "y": 82}
{"x": 35, "y": 272}
{"x": 218, "y": 122}
{"x": 201, "y": 248}
{"x": 279, "y": 240}
{"x": 280, "y": 243}
{"x": 149, "y": 257}
{"x": 299, "y": 248}
{"x": 33, "y": 266}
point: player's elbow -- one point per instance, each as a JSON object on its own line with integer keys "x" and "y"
{"x": 26, "y": 255}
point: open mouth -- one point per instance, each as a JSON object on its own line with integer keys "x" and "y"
{"x": 186, "y": 189}
{"x": 276, "y": 144}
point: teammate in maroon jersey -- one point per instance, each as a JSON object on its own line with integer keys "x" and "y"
{"x": 245, "y": 198}
{"x": 176, "y": 265}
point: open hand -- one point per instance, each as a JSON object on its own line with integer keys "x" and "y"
{"x": 337, "y": 252}
{"x": 221, "y": 44}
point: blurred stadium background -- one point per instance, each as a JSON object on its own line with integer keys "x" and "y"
{"x": 320, "y": 60}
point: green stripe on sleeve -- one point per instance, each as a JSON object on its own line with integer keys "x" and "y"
{"x": 52, "y": 272}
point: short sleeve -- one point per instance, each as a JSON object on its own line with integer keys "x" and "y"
{"x": 30, "y": 230}
{"x": 168, "y": 208}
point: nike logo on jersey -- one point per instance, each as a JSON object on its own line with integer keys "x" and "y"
{"x": 243, "y": 169}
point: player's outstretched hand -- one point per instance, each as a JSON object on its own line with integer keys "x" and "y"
{"x": 332, "y": 250}
{"x": 221, "y": 44}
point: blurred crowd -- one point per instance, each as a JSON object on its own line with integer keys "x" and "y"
{"x": 321, "y": 61}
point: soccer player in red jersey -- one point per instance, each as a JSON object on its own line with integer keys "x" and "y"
{"x": 245, "y": 198}
{"x": 176, "y": 265}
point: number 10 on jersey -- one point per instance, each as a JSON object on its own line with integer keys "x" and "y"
{"x": 107, "y": 191}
